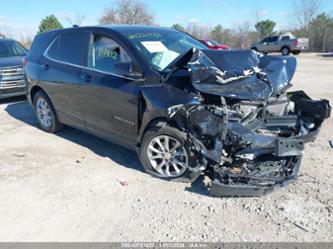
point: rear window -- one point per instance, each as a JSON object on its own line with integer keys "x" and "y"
{"x": 70, "y": 48}
{"x": 39, "y": 45}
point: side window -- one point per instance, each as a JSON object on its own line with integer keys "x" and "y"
{"x": 285, "y": 38}
{"x": 107, "y": 55}
{"x": 274, "y": 39}
{"x": 264, "y": 40}
{"x": 70, "y": 48}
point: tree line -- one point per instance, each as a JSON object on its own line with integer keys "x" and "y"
{"x": 309, "y": 21}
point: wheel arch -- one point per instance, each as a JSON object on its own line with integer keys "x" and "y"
{"x": 34, "y": 90}
{"x": 147, "y": 124}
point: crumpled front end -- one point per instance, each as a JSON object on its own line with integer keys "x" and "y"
{"x": 246, "y": 132}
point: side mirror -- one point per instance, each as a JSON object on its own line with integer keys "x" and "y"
{"x": 127, "y": 70}
{"x": 123, "y": 67}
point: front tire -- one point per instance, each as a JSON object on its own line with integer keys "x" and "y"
{"x": 164, "y": 153}
{"x": 45, "y": 113}
{"x": 285, "y": 51}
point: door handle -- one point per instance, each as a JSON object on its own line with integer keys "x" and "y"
{"x": 86, "y": 77}
{"x": 46, "y": 66}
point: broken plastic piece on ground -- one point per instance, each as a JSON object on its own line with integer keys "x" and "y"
{"x": 123, "y": 183}
{"x": 18, "y": 155}
{"x": 331, "y": 143}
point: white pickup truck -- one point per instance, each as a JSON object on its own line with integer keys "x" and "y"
{"x": 285, "y": 44}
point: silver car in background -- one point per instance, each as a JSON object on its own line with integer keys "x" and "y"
{"x": 12, "y": 81}
{"x": 285, "y": 44}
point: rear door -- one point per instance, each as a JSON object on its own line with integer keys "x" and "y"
{"x": 111, "y": 96}
{"x": 61, "y": 73}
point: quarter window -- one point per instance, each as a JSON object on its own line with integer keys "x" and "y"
{"x": 107, "y": 55}
{"x": 70, "y": 48}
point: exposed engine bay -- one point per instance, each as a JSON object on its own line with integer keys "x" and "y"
{"x": 245, "y": 131}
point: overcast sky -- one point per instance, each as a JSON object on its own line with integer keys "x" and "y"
{"x": 17, "y": 16}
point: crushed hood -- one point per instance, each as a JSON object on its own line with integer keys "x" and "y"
{"x": 242, "y": 74}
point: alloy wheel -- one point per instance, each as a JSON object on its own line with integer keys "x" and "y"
{"x": 285, "y": 51}
{"x": 167, "y": 156}
{"x": 44, "y": 113}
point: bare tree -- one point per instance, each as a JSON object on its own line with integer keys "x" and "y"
{"x": 26, "y": 40}
{"x": 128, "y": 12}
{"x": 74, "y": 19}
{"x": 241, "y": 33}
{"x": 305, "y": 11}
{"x": 198, "y": 30}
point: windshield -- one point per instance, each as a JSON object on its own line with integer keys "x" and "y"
{"x": 162, "y": 47}
{"x": 11, "y": 48}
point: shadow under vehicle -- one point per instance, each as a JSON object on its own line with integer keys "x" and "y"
{"x": 186, "y": 110}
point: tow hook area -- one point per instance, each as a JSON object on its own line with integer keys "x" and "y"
{"x": 256, "y": 186}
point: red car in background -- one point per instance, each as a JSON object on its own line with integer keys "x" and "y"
{"x": 214, "y": 44}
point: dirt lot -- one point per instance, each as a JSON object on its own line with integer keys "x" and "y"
{"x": 66, "y": 187}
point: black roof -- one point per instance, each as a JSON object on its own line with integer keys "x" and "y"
{"x": 117, "y": 28}
{"x": 134, "y": 28}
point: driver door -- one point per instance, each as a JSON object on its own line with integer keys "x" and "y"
{"x": 272, "y": 45}
{"x": 111, "y": 98}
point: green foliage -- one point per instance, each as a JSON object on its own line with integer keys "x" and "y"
{"x": 221, "y": 35}
{"x": 217, "y": 33}
{"x": 49, "y": 23}
{"x": 265, "y": 28}
{"x": 321, "y": 22}
{"x": 321, "y": 33}
{"x": 178, "y": 27}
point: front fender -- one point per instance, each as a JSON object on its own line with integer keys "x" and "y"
{"x": 158, "y": 99}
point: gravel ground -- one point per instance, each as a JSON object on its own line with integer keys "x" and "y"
{"x": 68, "y": 187}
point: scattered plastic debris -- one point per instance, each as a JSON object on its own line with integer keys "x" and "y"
{"x": 331, "y": 143}
{"x": 123, "y": 183}
{"x": 18, "y": 155}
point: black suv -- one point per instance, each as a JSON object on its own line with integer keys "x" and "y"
{"x": 186, "y": 110}
{"x": 11, "y": 68}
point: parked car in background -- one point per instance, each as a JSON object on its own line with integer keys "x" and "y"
{"x": 285, "y": 44}
{"x": 12, "y": 81}
{"x": 211, "y": 44}
{"x": 187, "y": 110}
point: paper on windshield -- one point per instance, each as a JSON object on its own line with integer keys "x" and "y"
{"x": 154, "y": 46}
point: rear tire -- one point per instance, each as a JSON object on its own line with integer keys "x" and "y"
{"x": 167, "y": 162}
{"x": 285, "y": 51}
{"x": 45, "y": 113}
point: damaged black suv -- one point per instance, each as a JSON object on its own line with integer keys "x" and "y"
{"x": 185, "y": 109}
